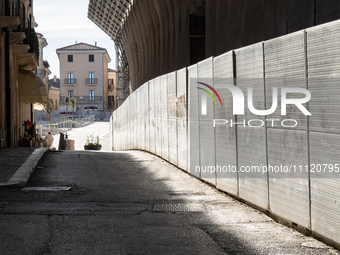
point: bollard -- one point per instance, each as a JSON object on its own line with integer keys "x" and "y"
{"x": 69, "y": 144}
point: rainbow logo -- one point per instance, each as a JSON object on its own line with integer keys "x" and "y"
{"x": 211, "y": 95}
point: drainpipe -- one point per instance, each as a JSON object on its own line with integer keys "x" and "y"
{"x": 8, "y": 91}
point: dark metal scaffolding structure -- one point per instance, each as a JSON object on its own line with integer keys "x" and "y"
{"x": 109, "y": 15}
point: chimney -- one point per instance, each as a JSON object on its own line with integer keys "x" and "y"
{"x": 55, "y": 78}
{"x": 95, "y": 44}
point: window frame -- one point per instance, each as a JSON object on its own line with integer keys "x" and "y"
{"x": 70, "y": 58}
{"x": 91, "y": 77}
{"x": 70, "y": 78}
{"x": 70, "y": 94}
{"x": 91, "y": 58}
{"x": 91, "y": 95}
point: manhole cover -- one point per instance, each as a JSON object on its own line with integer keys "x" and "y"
{"x": 46, "y": 188}
{"x": 178, "y": 208}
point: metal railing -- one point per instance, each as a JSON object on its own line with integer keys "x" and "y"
{"x": 69, "y": 81}
{"x": 82, "y": 99}
{"x": 32, "y": 40}
{"x": 61, "y": 126}
{"x": 91, "y": 81}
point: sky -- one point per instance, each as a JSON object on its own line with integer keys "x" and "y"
{"x": 65, "y": 22}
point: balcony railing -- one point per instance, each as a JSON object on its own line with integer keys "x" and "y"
{"x": 85, "y": 99}
{"x": 32, "y": 40}
{"x": 70, "y": 81}
{"x": 111, "y": 87}
{"x": 18, "y": 9}
{"x": 91, "y": 81}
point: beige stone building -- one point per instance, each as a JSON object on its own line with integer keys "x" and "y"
{"x": 54, "y": 91}
{"x": 84, "y": 75}
{"x": 20, "y": 87}
{"x": 112, "y": 95}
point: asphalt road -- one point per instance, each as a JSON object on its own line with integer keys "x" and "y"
{"x": 118, "y": 203}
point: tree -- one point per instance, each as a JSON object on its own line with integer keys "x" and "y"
{"x": 49, "y": 108}
{"x": 67, "y": 103}
{"x": 73, "y": 104}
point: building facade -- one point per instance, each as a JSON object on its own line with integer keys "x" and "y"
{"x": 54, "y": 91}
{"x": 112, "y": 95}
{"x": 20, "y": 87}
{"x": 84, "y": 75}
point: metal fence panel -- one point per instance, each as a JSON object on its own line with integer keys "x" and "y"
{"x": 146, "y": 117}
{"x": 323, "y": 73}
{"x": 158, "y": 123}
{"x": 152, "y": 145}
{"x": 225, "y": 136}
{"x": 289, "y": 193}
{"x": 251, "y": 141}
{"x": 172, "y": 121}
{"x": 325, "y": 193}
{"x": 323, "y": 44}
{"x": 182, "y": 119}
{"x": 193, "y": 127}
{"x": 285, "y": 67}
{"x": 206, "y": 129}
{"x": 164, "y": 116}
{"x": 289, "y": 196}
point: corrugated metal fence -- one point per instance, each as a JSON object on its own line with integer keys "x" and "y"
{"x": 164, "y": 117}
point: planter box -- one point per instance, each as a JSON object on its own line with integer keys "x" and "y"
{"x": 92, "y": 147}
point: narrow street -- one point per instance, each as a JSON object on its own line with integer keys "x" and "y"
{"x": 80, "y": 135}
{"x": 133, "y": 203}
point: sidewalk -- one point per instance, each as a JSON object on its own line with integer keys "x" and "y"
{"x": 17, "y": 164}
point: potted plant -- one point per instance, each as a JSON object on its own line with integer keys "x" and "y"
{"x": 90, "y": 145}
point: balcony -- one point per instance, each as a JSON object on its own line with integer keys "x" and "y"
{"x": 91, "y": 81}
{"x": 14, "y": 15}
{"x": 70, "y": 82}
{"x": 111, "y": 87}
{"x": 85, "y": 99}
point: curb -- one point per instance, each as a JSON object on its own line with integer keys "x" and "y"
{"x": 21, "y": 176}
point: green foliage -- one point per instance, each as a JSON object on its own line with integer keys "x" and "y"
{"x": 49, "y": 108}
{"x": 67, "y": 103}
{"x": 73, "y": 104}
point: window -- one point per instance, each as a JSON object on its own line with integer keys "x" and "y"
{"x": 111, "y": 101}
{"x": 70, "y": 78}
{"x": 70, "y": 93}
{"x": 91, "y": 58}
{"x": 91, "y": 77}
{"x": 111, "y": 87}
{"x": 91, "y": 95}
{"x": 69, "y": 58}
